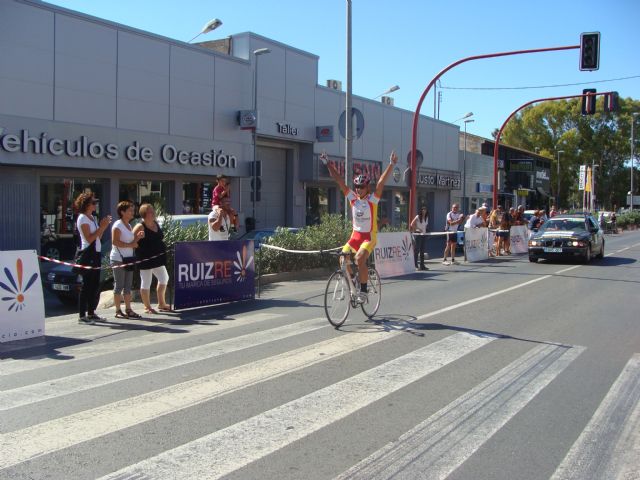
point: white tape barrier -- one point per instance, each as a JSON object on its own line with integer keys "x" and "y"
{"x": 280, "y": 249}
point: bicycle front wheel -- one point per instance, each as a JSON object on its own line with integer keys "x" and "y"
{"x": 337, "y": 299}
{"x": 374, "y": 286}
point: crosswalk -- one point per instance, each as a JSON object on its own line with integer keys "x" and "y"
{"x": 305, "y": 380}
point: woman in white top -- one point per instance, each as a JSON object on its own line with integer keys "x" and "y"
{"x": 90, "y": 232}
{"x": 419, "y": 225}
{"x": 123, "y": 241}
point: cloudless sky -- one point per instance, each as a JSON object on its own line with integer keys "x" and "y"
{"x": 406, "y": 42}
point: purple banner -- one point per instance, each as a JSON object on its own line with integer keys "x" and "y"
{"x": 208, "y": 273}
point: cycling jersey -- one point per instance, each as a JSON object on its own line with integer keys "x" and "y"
{"x": 364, "y": 212}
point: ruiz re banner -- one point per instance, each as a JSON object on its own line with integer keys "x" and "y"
{"x": 393, "y": 254}
{"x": 208, "y": 273}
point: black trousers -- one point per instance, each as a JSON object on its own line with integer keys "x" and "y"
{"x": 90, "y": 292}
{"x": 421, "y": 245}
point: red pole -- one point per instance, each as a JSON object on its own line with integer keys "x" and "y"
{"x": 497, "y": 142}
{"x": 416, "y": 116}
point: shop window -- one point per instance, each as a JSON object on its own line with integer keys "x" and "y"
{"x": 196, "y": 197}
{"x": 58, "y": 215}
{"x": 145, "y": 191}
{"x": 317, "y": 204}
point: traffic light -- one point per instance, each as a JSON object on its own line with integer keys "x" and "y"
{"x": 590, "y": 51}
{"x": 589, "y": 101}
{"x": 611, "y": 102}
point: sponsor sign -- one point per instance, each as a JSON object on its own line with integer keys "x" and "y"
{"x": 476, "y": 244}
{"x": 393, "y": 254}
{"x": 324, "y": 133}
{"x": 372, "y": 169}
{"x": 21, "y": 299}
{"x": 582, "y": 177}
{"x": 209, "y": 273}
{"x": 519, "y": 236}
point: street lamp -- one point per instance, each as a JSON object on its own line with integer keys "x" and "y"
{"x": 466, "y": 115}
{"x": 633, "y": 153}
{"x": 558, "y": 179}
{"x": 210, "y": 26}
{"x": 390, "y": 90}
{"x": 464, "y": 166}
{"x": 256, "y": 53}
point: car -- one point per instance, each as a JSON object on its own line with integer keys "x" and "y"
{"x": 260, "y": 235}
{"x": 567, "y": 236}
{"x": 66, "y": 285}
{"x": 185, "y": 220}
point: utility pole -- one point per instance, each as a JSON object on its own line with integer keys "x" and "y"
{"x": 348, "y": 113}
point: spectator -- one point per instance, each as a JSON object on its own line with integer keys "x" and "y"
{"x": 518, "y": 217}
{"x": 90, "y": 233}
{"x": 419, "y": 225}
{"x": 220, "y": 191}
{"x": 504, "y": 233}
{"x": 553, "y": 211}
{"x": 221, "y": 219}
{"x": 478, "y": 219}
{"x": 152, "y": 250}
{"x": 536, "y": 220}
{"x": 123, "y": 243}
{"x": 454, "y": 219}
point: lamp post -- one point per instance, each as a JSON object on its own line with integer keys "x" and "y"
{"x": 466, "y": 115}
{"x": 390, "y": 90}
{"x": 558, "y": 179}
{"x": 348, "y": 140}
{"x": 210, "y": 26}
{"x": 464, "y": 167}
{"x": 633, "y": 141}
{"x": 256, "y": 53}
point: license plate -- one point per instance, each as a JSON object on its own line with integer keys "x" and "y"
{"x": 552, "y": 250}
{"x": 60, "y": 286}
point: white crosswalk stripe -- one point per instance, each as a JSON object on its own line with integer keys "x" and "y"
{"x": 609, "y": 447}
{"x": 229, "y": 449}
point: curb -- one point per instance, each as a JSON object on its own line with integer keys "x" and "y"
{"x": 310, "y": 274}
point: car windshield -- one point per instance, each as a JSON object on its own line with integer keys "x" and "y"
{"x": 564, "y": 224}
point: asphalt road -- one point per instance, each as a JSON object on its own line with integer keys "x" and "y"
{"x": 497, "y": 370}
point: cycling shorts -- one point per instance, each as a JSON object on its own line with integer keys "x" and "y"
{"x": 360, "y": 240}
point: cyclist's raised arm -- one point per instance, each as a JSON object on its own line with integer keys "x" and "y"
{"x": 334, "y": 174}
{"x": 393, "y": 159}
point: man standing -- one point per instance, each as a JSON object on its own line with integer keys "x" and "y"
{"x": 454, "y": 218}
{"x": 478, "y": 219}
{"x": 221, "y": 219}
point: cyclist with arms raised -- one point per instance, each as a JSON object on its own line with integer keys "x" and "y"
{"x": 364, "y": 211}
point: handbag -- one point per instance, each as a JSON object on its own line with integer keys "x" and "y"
{"x": 84, "y": 257}
{"x": 130, "y": 262}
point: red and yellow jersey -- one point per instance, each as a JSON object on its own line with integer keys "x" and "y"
{"x": 364, "y": 212}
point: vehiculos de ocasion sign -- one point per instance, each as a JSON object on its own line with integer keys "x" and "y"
{"x": 21, "y": 300}
{"x": 393, "y": 254}
{"x": 208, "y": 273}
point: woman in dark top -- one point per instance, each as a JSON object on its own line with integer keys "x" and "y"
{"x": 152, "y": 247}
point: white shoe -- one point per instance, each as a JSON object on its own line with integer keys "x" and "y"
{"x": 362, "y": 297}
{"x": 446, "y": 262}
{"x": 455, "y": 263}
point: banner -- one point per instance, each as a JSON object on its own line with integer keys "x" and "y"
{"x": 208, "y": 273}
{"x": 476, "y": 244}
{"x": 21, "y": 299}
{"x": 582, "y": 177}
{"x": 393, "y": 254}
{"x": 519, "y": 236}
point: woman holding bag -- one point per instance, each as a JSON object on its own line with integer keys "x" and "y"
{"x": 90, "y": 232}
{"x": 123, "y": 242}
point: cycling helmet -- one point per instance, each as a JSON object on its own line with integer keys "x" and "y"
{"x": 361, "y": 181}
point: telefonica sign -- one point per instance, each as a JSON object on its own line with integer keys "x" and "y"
{"x": 83, "y": 147}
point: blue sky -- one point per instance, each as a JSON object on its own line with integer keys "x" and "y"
{"x": 407, "y": 42}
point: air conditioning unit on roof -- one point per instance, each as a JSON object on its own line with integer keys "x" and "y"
{"x": 387, "y": 101}
{"x": 335, "y": 84}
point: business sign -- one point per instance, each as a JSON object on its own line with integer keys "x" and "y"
{"x": 287, "y": 129}
{"x": 521, "y": 165}
{"x": 358, "y": 167}
{"x": 442, "y": 179}
{"x": 519, "y": 236}
{"x": 324, "y": 133}
{"x": 209, "y": 273}
{"x": 582, "y": 177}
{"x": 484, "y": 187}
{"x": 476, "y": 244}
{"x": 21, "y": 299}
{"x": 419, "y": 158}
{"x": 393, "y": 254}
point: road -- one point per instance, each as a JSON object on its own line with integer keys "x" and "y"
{"x": 496, "y": 370}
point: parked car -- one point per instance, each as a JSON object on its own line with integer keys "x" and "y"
{"x": 260, "y": 235}
{"x": 185, "y": 220}
{"x": 66, "y": 285}
{"x": 567, "y": 236}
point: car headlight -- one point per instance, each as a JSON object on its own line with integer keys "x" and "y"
{"x": 534, "y": 243}
{"x": 51, "y": 276}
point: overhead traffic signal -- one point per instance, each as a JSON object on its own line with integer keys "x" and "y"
{"x": 590, "y": 51}
{"x": 589, "y": 101}
{"x": 611, "y": 102}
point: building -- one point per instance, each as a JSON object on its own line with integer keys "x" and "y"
{"x": 89, "y": 104}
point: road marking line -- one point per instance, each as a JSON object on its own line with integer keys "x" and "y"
{"x": 88, "y": 350}
{"x": 87, "y": 380}
{"x": 436, "y": 447}
{"x": 609, "y": 446}
{"x": 567, "y": 269}
{"x": 231, "y": 448}
{"x": 48, "y": 437}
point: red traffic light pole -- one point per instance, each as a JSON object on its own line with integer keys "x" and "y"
{"x": 496, "y": 147}
{"x": 416, "y": 115}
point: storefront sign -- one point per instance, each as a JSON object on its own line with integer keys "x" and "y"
{"x": 358, "y": 167}
{"x": 428, "y": 178}
{"x": 521, "y": 165}
{"x": 22, "y": 303}
{"x": 83, "y": 147}
{"x": 324, "y": 133}
{"x": 484, "y": 188}
{"x": 393, "y": 254}
{"x": 209, "y": 273}
{"x": 542, "y": 175}
{"x": 442, "y": 179}
{"x": 287, "y": 129}
{"x": 582, "y": 177}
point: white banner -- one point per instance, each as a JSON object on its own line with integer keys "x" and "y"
{"x": 21, "y": 299}
{"x": 582, "y": 177}
{"x": 519, "y": 239}
{"x": 476, "y": 244}
{"x": 393, "y": 254}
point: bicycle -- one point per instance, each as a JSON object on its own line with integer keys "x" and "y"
{"x": 342, "y": 291}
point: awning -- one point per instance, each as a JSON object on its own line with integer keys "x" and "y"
{"x": 542, "y": 192}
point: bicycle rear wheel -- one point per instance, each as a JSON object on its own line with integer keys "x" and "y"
{"x": 374, "y": 286}
{"x": 337, "y": 299}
